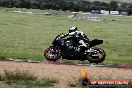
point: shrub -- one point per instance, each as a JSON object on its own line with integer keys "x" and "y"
{"x": 25, "y": 78}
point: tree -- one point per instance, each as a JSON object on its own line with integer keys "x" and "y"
{"x": 22, "y": 4}
{"x": 105, "y": 6}
{"x": 81, "y": 6}
{"x": 123, "y": 7}
{"x": 75, "y": 7}
{"x": 130, "y": 9}
{"x": 113, "y": 5}
{"x": 70, "y": 5}
{"x": 97, "y": 3}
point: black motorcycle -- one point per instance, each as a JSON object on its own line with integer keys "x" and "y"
{"x": 68, "y": 49}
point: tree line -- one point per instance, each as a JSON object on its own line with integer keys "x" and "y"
{"x": 71, "y": 5}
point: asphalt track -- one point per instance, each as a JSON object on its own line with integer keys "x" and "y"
{"x": 125, "y": 66}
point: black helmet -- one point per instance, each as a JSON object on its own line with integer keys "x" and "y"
{"x": 73, "y": 29}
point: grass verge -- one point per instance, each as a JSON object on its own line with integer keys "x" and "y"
{"x": 26, "y": 79}
{"x": 28, "y": 35}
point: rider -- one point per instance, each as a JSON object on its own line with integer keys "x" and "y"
{"x": 80, "y": 36}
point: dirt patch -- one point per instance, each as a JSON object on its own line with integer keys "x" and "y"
{"x": 66, "y": 73}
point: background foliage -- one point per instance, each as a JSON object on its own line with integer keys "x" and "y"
{"x": 72, "y": 5}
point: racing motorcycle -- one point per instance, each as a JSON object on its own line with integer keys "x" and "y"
{"x": 67, "y": 48}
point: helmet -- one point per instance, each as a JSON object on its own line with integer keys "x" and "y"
{"x": 73, "y": 29}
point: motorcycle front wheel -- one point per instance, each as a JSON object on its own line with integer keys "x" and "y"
{"x": 97, "y": 56}
{"x": 52, "y": 54}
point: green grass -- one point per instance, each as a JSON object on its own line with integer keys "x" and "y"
{"x": 25, "y": 79}
{"x": 28, "y": 35}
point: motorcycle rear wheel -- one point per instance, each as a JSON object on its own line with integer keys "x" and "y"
{"x": 98, "y": 57}
{"x": 52, "y": 54}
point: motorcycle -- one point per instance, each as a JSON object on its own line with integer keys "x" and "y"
{"x": 67, "y": 48}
